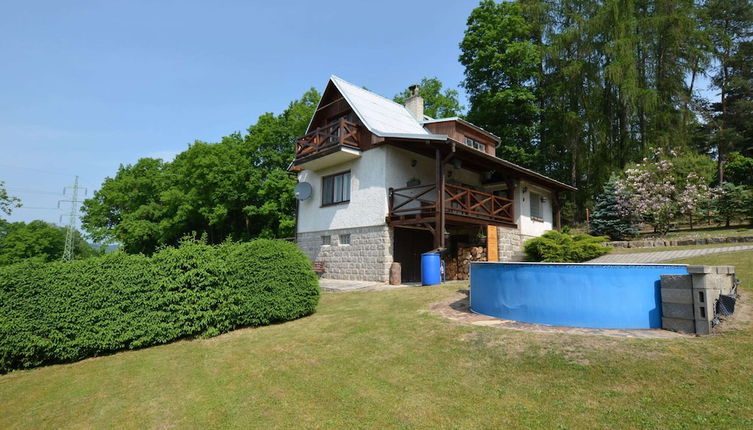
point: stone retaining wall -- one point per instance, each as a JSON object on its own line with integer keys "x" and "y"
{"x": 657, "y": 243}
{"x": 367, "y": 258}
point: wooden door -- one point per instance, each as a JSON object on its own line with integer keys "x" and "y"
{"x": 409, "y": 245}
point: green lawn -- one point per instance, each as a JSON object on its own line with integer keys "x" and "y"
{"x": 380, "y": 359}
{"x": 705, "y": 231}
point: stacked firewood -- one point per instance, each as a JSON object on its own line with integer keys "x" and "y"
{"x": 458, "y": 267}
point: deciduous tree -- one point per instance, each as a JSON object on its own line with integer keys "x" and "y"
{"x": 437, "y": 103}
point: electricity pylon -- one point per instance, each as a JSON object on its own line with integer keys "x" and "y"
{"x": 72, "y": 217}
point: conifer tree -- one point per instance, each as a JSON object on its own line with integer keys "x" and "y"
{"x": 609, "y": 217}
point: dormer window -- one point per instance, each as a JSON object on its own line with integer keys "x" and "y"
{"x": 475, "y": 144}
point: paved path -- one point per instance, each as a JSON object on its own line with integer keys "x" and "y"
{"x": 661, "y": 256}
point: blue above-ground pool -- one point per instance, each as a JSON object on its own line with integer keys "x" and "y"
{"x": 623, "y": 296}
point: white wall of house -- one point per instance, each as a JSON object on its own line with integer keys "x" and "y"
{"x": 528, "y": 226}
{"x": 381, "y": 168}
{"x": 368, "y": 196}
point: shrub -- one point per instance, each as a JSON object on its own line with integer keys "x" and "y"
{"x": 61, "y": 312}
{"x": 731, "y": 202}
{"x": 609, "y": 218}
{"x": 556, "y": 247}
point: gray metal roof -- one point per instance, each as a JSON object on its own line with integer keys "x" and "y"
{"x": 380, "y": 115}
{"x": 388, "y": 119}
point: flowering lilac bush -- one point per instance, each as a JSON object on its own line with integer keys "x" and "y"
{"x": 648, "y": 191}
{"x": 691, "y": 198}
{"x": 653, "y": 192}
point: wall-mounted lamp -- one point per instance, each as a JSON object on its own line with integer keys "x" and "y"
{"x": 457, "y": 163}
{"x": 413, "y": 163}
{"x": 525, "y": 189}
{"x": 543, "y": 199}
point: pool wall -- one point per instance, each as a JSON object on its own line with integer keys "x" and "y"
{"x": 579, "y": 295}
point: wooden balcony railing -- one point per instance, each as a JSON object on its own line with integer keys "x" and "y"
{"x": 415, "y": 200}
{"x": 421, "y": 201}
{"x": 340, "y": 132}
{"x": 478, "y": 204}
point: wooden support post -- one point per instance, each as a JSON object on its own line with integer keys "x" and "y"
{"x": 510, "y": 188}
{"x": 492, "y": 245}
{"x": 440, "y": 221}
{"x": 557, "y": 211}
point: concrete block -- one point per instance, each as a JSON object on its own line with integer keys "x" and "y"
{"x": 709, "y": 281}
{"x": 725, "y": 270}
{"x": 677, "y": 295}
{"x": 676, "y": 282}
{"x": 703, "y": 327}
{"x": 676, "y": 324}
{"x": 701, "y": 269}
{"x": 704, "y": 311}
{"x": 677, "y": 310}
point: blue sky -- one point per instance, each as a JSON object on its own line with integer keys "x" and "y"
{"x": 86, "y": 86}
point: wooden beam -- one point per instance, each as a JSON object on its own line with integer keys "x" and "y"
{"x": 492, "y": 245}
{"x": 466, "y": 220}
{"x": 557, "y": 211}
{"x": 510, "y": 188}
{"x": 438, "y": 204}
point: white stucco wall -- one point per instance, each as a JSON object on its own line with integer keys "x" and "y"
{"x": 381, "y": 168}
{"x": 368, "y": 196}
{"x": 529, "y": 227}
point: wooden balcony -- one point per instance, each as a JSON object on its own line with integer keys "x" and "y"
{"x": 462, "y": 205}
{"x": 340, "y": 133}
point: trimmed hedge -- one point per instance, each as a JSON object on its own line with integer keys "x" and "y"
{"x": 61, "y": 312}
{"x": 556, "y": 247}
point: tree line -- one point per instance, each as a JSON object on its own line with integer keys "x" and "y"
{"x": 579, "y": 89}
{"x": 576, "y": 89}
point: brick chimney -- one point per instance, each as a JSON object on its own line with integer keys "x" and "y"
{"x": 415, "y": 103}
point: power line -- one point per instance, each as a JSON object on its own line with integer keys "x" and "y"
{"x": 34, "y": 169}
{"x": 72, "y": 217}
{"x": 10, "y": 166}
{"x": 31, "y": 190}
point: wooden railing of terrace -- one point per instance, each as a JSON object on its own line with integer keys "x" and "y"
{"x": 466, "y": 201}
{"x": 417, "y": 204}
{"x": 340, "y": 132}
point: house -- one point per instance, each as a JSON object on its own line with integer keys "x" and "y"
{"x": 370, "y": 171}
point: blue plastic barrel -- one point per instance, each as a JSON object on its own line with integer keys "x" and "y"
{"x": 430, "y": 272}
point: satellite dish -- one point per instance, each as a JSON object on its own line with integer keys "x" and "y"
{"x": 303, "y": 191}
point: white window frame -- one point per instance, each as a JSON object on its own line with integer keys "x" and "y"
{"x": 475, "y": 144}
{"x": 533, "y": 196}
{"x": 338, "y": 191}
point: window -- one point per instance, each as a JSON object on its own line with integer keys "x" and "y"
{"x": 326, "y": 240}
{"x": 474, "y": 144}
{"x": 344, "y": 239}
{"x": 336, "y": 189}
{"x": 537, "y": 211}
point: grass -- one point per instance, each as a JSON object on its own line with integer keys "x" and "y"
{"x": 705, "y": 231}
{"x": 380, "y": 359}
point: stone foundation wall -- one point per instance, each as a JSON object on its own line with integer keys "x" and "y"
{"x": 367, "y": 258}
{"x": 655, "y": 243}
{"x": 510, "y": 244}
